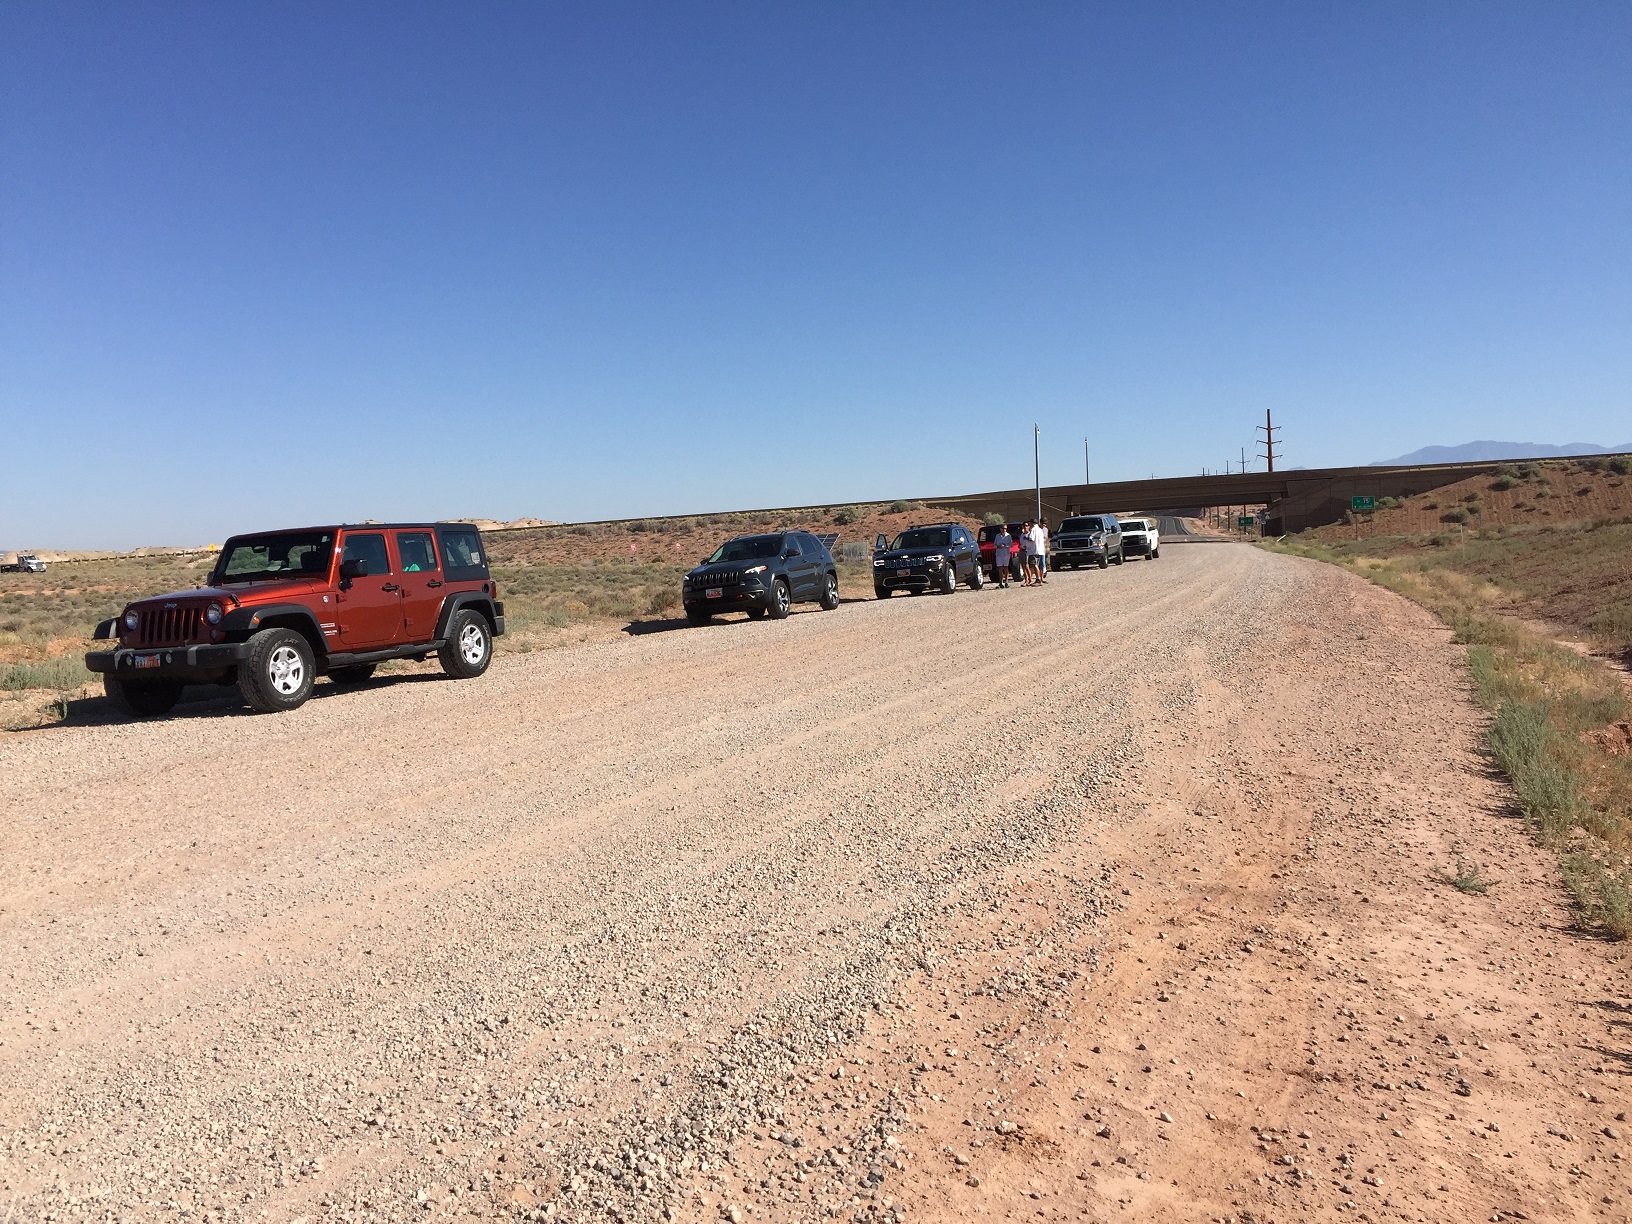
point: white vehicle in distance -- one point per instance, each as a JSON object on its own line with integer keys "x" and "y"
{"x": 1140, "y": 537}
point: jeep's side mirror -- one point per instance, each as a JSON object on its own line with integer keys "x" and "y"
{"x": 880, "y": 544}
{"x": 353, "y": 569}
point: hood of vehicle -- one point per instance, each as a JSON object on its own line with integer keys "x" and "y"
{"x": 725, "y": 569}
{"x": 239, "y": 593}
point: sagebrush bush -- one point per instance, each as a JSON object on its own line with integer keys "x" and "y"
{"x": 847, "y": 515}
{"x": 60, "y": 673}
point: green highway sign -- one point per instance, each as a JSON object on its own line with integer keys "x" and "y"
{"x": 1246, "y": 520}
{"x": 1362, "y": 505}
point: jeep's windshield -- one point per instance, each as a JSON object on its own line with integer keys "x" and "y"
{"x": 298, "y": 554}
{"x": 928, "y": 537}
{"x": 1080, "y": 525}
{"x": 749, "y": 548}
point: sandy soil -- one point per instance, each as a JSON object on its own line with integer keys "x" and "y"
{"x": 1112, "y": 899}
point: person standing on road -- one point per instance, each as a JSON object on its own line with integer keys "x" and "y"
{"x": 1042, "y": 551}
{"x": 1017, "y": 567}
{"x": 1028, "y": 542}
{"x": 1002, "y": 546}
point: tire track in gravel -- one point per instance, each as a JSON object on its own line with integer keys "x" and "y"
{"x": 347, "y": 955}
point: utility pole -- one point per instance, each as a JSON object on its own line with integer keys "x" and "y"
{"x": 1243, "y": 461}
{"x": 1087, "y": 476}
{"x": 1269, "y": 429}
{"x": 1037, "y": 467}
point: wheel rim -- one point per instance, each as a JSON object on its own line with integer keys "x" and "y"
{"x": 781, "y": 597}
{"x": 287, "y": 670}
{"x": 472, "y": 644}
{"x": 832, "y": 591}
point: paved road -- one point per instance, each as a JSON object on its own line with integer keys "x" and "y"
{"x": 466, "y": 940}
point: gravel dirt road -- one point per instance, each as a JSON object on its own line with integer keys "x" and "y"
{"x": 1112, "y": 899}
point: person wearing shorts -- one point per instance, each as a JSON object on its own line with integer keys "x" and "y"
{"x": 1028, "y": 545}
{"x": 1002, "y": 547}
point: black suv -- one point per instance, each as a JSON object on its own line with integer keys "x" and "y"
{"x": 1091, "y": 539}
{"x": 937, "y": 557}
{"x": 762, "y": 575}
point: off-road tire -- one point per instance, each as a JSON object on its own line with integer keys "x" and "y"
{"x": 142, "y": 698}
{"x": 977, "y": 580}
{"x": 1104, "y": 562}
{"x": 1154, "y": 553}
{"x": 949, "y": 578}
{"x": 697, "y": 617}
{"x": 756, "y": 613}
{"x": 830, "y": 593}
{"x": 1121, "y": 557}
{"x": 469, "y": 647}
{"x": 278, "y": 673}
{"x": 781, "y": 600}
{"x": 357, "y": 673}
{"x": 882, "y": 592}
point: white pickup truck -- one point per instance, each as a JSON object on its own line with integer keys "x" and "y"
{"x": 1141, "y": 538}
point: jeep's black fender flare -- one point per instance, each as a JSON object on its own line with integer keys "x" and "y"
{"x": 242, "y": 623}
{"x": 476, "y": 601}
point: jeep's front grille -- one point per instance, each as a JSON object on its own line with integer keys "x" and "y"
{"x": 717, "y": 578}
{"x": 168, "y": 626}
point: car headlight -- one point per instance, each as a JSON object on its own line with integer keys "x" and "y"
{"x": 754, "y": 569}
{"x": 213, "y": 614}
{"x": 934, "y": 560}
{"x": 880, "y": 561}
{"x": 131, "y": 621}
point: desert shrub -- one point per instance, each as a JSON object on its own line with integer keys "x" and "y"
{"x": 1528, "y": 471}
{"x": 1430, "y": 505}
{"x": 1471, "y": 497}
{"x": 993, "y": 519}
{"x": 847, "y": 515}
{"x": 1454, "y": 516}
{"x": 1549, "y": 793}
{"x": 665, "y": 599}
{"x": 1502, "y": 483}
{"x": 904, "y": 507}
{"x": 1388, "y": 503}
{"x": 637, "y": 525}
{"x": 62, "y": 673}
{"x": 1507, "y": 472}
{"x": 1621, "y": 465}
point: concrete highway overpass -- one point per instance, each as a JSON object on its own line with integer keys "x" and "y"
{"x": 1306, "y": 497}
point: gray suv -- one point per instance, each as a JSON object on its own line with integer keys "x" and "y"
{"x": 762, "y": 575}
{"x": 1088, "y": 539}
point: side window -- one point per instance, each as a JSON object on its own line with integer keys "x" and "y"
{"x": 790, "y": 546}
{"x": 416, "y": 551}
{"x": 462, "y": 555}
{"x": 368, "y": 547}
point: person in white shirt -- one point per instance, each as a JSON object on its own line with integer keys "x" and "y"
{"x": 1042, "y": 551}
{"x": 1029, "y": 542}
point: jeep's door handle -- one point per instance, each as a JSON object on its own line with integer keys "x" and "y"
{"x": 390, "y": 586}
{"x": 434, "y": 582}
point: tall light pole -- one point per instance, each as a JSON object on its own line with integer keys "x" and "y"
{"x": 1087, "y": 477}
{"x": 1037, "y": 467}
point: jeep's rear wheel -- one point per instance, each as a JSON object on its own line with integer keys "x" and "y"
{"x": 469, "y": 648}
{"x": 781, "y": 602}
{"x": 142, "y": 698}
{"x": 756, "y": 613}
{"x": 278, "y": 673}
{"x": 881, "y": 592}
{"x": 355, "y": 674}
{"x": 830, "y": 593}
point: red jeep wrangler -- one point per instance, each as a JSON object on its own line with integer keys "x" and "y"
{"x": 284, "y": 606}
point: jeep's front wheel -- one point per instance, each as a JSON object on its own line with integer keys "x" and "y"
{"x": 781, "y": 602}
{"x": 977, "y": 579}
{"x": 830, "y": 593}
{"x": 355, "y": 674}
{"x": 142, "y": 698}
{"x": 278, "y": 673}
{"x": 949, "y": 578}
{"x": 469, "y": 647}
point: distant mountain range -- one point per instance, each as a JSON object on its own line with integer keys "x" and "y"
{"x": 1483, "y": 452}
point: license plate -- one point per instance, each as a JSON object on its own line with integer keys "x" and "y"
{"x": 147, "y": 661}
{"x": 714, "y": 592}
{"x": 903, "y": 573}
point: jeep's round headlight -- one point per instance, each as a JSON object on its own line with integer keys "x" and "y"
{"x": 213, "y": 614}
{"x": 131, "y": 621}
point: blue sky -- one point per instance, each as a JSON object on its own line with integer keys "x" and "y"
{"x": 268, "y": 264}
